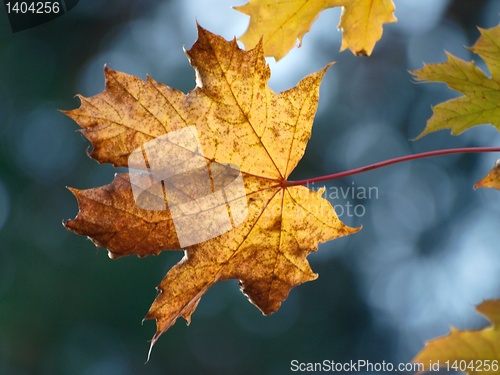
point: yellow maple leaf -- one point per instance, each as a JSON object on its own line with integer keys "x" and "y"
{"x": 473, "y": 352}
{"x": 492, "y": 179}
{"x": 481, "y": 101}
{"x": 281, "y": 23}
{"x": 239, "y": 121}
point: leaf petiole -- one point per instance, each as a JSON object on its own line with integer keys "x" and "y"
{"x": 400, "y": 159}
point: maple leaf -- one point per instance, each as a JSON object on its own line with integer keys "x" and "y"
{"x": 239, "y": 121}
{"x": 480, "y": 103}
{"x": 492, "y": 179}
{"x": 474, "y": 352}
{"x": 281, "y": 23}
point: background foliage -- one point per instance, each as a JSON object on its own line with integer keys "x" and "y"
{"x": 427, "y": 254}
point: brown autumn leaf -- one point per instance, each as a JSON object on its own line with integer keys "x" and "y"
{"x": 492, "y": 179}
{"x": 239, "y": 121}
{"x": 472, "y": 352}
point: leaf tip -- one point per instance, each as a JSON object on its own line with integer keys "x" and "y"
{"x": 323, "y": 70}
{"x": 362, "y": 52}
{"x": 242, "y": 8}
{"x": 421, "y": 135}
{"x": 329, "y": 65}
{"x": 73, "y": 190}
{"x": 153, "y": 342}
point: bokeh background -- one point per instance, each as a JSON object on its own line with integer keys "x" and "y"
{"x": 428, "y": 251}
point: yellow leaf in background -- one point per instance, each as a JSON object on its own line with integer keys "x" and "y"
{"x": 282, "y": 22}
{"x": 240, "y": 121}
{"x": 474, "y": 352}
{"x": 361, "y": 24}
{"x": 481, "y": 101}
{"x": 492, "y": 179}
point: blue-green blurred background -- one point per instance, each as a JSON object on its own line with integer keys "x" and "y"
{"x": 428, "y": 251}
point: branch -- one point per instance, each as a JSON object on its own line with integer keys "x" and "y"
{"x": 463, "y": 150}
